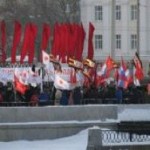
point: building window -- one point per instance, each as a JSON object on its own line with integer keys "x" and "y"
{"x": 98, "y": 13}
{"x": 118, "y": 41}
{"x": 98, "y": 42}
{"x": 133, "y": 41}
{"x": 118, "y": 12}
{"x": 133, "y": 12}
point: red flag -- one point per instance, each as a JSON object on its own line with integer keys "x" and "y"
{"x": 33, "y": 34}
{"x": 90, "y": 41}
{"x": 105, "y": 70}
{"x": 45, "y": 36}
{"x": 19, "y": 87}
{"x": 73, "y": 40}
{"x": 63, "y": 42}
{"x": 56, "y": 40}
{"x": 110, "y": 63}
{"x": 25, "y": 45}
{"x": 80, "y": 43}
{"x": 29, "y": 42}
{"x": 3, "y": 40}
{"x": 138, "y": 67}
{"x": 16, "y": 41}
{"x": 67, "y": 40}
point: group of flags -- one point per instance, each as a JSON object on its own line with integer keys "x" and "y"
{"x": 67, "y": 48}
{"x": 122, "y": 74}
{"x": 67, "y": 40}
{"x": 25, "y": 76}
{"x": 126, "y": 76}
{"x": 67, "y": 78}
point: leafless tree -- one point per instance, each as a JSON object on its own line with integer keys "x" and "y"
{"x": 37, "y": 11}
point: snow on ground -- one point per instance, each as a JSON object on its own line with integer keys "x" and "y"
{"x": 78, "y": 141}
{"x": 134, "y": 115}
{"x": 75, "y": 142}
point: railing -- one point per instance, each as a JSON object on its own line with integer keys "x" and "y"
{"x": 9, "y": 104}
{"x": 125, "y": 136}
{"x": 17, "y": 104}
{"x": 99, "y": 139}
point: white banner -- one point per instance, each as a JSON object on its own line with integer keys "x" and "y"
{"x": 6, "y": 74}
{"x": 26, "y": 75}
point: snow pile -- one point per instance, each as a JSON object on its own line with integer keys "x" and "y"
{"x": 134, "y": 115}
{"x": 75, "y": 142}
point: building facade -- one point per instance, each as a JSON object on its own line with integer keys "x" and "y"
{"x": 122, "y": 27}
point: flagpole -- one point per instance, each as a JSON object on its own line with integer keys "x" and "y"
{"x": 113, "y": 26}
{"x": 138, "y": 27}
{"x": 14, "y": 86}
{"x": 41, "y": 74}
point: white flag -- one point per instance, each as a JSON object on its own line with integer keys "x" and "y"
{"x": 45, "y": 58}
{"x": 62, "y": 79}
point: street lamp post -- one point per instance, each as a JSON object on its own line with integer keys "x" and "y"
{"x": 113, "y": 27}
{"x": 138, "y": 27}
{"x": 67, "y": 11}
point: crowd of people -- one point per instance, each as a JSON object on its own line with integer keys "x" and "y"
{"x": 80, "y": 95}
{"x": 49, "y": 95}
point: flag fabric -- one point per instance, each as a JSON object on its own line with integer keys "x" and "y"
{"x": 122, "y": 74}
{"x": 45, "y": 37}
{"x": 138, "y": 67}
{"x": 80, "y": 43}
{"x": 68, "y": 42}
{"x": 105, "y": 70}
{"x": 65, "y": 39}
{"x": 61, "y": 83}
{"x": 25, "y": 45}
{"x": 18, "y": 84}
{"x": 90, "y": 41}
{"x": 29, "y": 42}
{"x": 137, "y": 70}
{"x": 129, "y": 78}
{"x": 33, "y": 34}
{"x": 49, "y": 68}
{"x": 110, "y": 63}
{"x": 22, "y": 75}
{"x": 73, "y": 40}
{"x": 20, "y": 87}
{"x": 3, "y": 40}
{"x": 45, "y": 58}
{"x": 106, "y": 67}
{"x": 66, "y": 78}
{"x": 56, "y": 40}
{"x": 16, "y": 41}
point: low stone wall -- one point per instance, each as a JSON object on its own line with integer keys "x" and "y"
{"x": 32, "y": 123}
{"x": 45, "y": 130}
{"x": 57, "y": 113}
{"x": 50, "y": 122}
